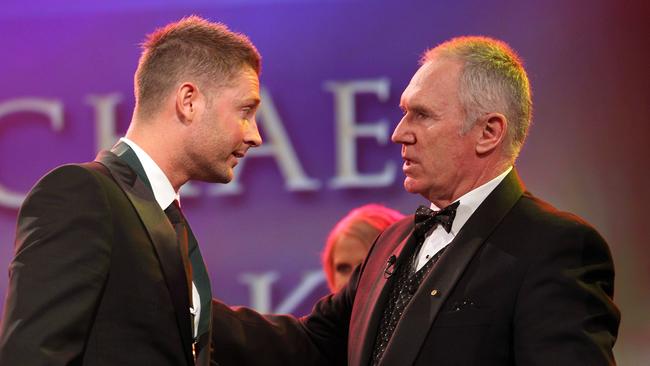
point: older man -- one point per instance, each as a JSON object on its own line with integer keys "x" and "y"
{"x": 107, "y": 271}
{"x": 487, "y": 275}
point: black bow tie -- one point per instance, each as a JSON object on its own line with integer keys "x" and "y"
{"x": 426, "y": 218}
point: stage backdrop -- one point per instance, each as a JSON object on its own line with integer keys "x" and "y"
{"x": 333, "y": 72}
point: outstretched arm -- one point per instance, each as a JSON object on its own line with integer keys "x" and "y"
{"x": 241, "y": 336}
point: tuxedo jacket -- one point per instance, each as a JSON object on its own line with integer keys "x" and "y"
{"x": 521, "y": 284}
{"x": 97, "y": 277}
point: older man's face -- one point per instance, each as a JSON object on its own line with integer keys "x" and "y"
{"x": 437, "y": 155}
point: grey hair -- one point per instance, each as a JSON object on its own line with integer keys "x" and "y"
{"x": 492, "y": 79}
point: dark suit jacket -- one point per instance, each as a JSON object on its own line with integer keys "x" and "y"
{"x": 521, "y": 284}
{"x": 97, "y": 277}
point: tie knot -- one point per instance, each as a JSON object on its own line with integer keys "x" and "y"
{"x": 426, "y": 218}
{"x": 174, "y": 213}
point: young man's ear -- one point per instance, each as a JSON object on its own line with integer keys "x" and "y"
{"x": 493, "y": 131}
{"x": 187, "y": 102}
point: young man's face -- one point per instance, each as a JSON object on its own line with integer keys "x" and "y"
{"x": 227, "y": 128}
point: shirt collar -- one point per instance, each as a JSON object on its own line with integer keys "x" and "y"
{"x": 470, "y": 201}
{"x": 163, "y": 190}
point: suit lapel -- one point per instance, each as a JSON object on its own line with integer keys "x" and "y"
{"x": 162, "y": 236}
{"x": 420, "y": 314}
{"x": 373, "y": 290}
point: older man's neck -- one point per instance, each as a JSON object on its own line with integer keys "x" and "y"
{"x": 469, "y": 183}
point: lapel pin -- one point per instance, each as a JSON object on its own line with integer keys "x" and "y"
{"x": 434, "y": 292}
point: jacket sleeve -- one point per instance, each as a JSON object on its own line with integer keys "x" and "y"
{"x": 565, "y": 314}
{"x": 62, "y": 254}
{"x": 242, "y": 336}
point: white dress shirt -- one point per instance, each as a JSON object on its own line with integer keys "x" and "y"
{"x": 469, "y": 202}
{"x": 164, "y": 193}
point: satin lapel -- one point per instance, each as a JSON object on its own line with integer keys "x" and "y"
{"x": 420, "y": 314}
{"x": 372, "y": 292}
{"x": 162, "y": 236}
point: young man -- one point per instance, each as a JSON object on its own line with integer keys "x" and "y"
{"x": 106, "y": 270}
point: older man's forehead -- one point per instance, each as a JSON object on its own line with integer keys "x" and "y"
{"x": 417, "y": 84}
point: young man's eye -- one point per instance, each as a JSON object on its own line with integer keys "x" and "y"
{"x": 246, "y": 112}
{"x": 250, "y": 109}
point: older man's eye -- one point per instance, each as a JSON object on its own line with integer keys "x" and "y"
{"x": 343, "y": 268}
{"x": 420, "y": 114}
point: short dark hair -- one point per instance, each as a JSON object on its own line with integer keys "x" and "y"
{"x": 191, "y": 48}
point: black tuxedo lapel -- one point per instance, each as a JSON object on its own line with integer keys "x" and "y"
{"x": 420, "y": 314}
{"x": 162, "y": 236}
{"x": 373, "y": 290}
{"x": 127, "y": 155}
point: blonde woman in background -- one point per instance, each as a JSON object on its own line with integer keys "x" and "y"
{"x": 351, "y": 238}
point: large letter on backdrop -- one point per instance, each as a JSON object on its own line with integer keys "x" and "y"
{"x": 348, "y": 130}
{"x": 260, "y": 290}
{"x": 53, "y": 109}
{"x": 105, "y": 121}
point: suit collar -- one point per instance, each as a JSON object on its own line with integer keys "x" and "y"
{"x": 124, "y": 152}
{"x": 162, "y": 236}
{"x": 148, "y": 170}
{"x": 420, "y": 314}
{"x": 470, "y": 201}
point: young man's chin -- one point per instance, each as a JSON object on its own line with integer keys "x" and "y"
{"x": 223, "y": 176}
{"x": 226, "y": 177}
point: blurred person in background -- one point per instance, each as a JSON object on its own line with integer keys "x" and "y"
{"x": 351, "y": 238}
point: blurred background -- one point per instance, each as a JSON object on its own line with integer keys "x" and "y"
{"x": 66, "y": 70}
